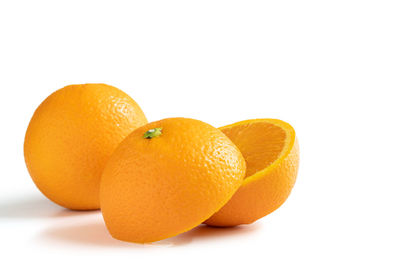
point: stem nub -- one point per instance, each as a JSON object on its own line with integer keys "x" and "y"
{"x": 152, "y": 133}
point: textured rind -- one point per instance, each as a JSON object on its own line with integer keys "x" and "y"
{"x": 70, "y": 137}
{"x": 261, "y": 193}
{"x": 156, "y": 188}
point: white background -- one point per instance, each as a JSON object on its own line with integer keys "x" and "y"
{"x": 330, "y": 68}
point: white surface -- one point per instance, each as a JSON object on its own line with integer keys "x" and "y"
{"x": 330, "y": 68}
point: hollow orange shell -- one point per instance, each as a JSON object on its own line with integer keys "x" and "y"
{"x": 271, "y": 151}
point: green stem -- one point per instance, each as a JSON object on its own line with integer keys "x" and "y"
{"x": 152, "y": 133}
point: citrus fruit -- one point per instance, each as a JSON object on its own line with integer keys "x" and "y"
{"x": 167, "y": 177}
{"x": 271, "y": 151}
{"x": 71, "y": 136}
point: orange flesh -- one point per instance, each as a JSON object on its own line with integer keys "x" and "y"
{"x": 257, "y": 153}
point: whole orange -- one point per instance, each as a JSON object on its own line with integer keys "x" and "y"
{"x": 71, "y": 136}
{"x": 167, "y": 177}
{"x": 271, "y": 150}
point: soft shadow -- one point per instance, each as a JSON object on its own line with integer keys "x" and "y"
{"x": 31, "y": 207}
{"x": 204, "y": 232}
{"x": 88, "y": 234}
{"x": 95, "y": 234}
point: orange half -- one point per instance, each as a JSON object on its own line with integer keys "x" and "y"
{"x": 271, "y": 151}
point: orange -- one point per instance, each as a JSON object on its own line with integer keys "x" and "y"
{"x": 71, "y": 136}
{"x": 166, "y": 178}
{"x": 271, "y": 151}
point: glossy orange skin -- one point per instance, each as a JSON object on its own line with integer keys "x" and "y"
{"x": 156, "y": 188}
{"x": 266, "y": 189}
{"x": 71, "y": 136}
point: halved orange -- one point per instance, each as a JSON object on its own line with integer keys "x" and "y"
{"x": 271, "y": 151}
{"x": 166, "y": 178}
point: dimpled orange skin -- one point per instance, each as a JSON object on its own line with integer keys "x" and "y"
{"x": 271, "y": 150}
{"x": 152, "y": 189}
{"x": 71, "y": 136}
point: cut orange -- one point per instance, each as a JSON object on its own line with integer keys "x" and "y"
{"x": 271, "y": 151}
{"x": 167, "y": 177}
